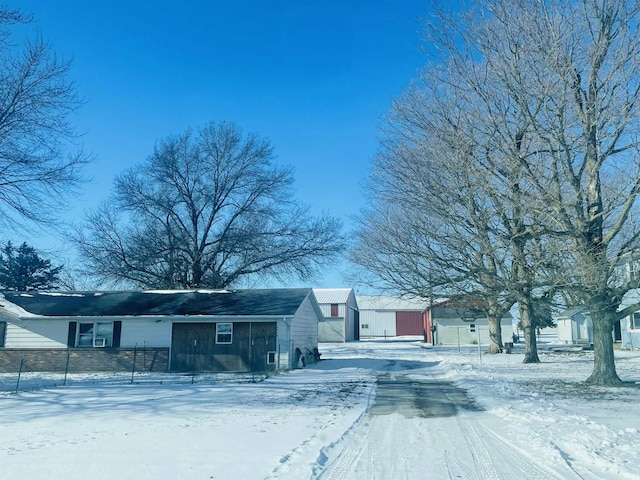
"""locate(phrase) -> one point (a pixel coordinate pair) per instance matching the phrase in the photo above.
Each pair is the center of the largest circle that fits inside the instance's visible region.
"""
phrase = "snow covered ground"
(323, 422)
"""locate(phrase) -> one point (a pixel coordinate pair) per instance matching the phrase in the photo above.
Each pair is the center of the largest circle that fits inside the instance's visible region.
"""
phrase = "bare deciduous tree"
(548, 94)
(36, 100)
(590, 130)
(206, 210)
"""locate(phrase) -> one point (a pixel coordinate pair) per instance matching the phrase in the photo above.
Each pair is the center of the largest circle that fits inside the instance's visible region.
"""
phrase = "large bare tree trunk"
(494, 317)
(529, 328)
(604, 367)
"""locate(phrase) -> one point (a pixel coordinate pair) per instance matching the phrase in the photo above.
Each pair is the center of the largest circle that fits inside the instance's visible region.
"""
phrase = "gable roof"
(387, 302)
(465, 314)
(332, 295)
(571, 311)
(258, 302)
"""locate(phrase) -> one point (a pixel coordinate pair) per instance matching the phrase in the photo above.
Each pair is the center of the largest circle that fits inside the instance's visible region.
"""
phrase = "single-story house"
(629, 327)
(177, 331)
(463, 322)
(574, 326)
(341, 315)
(391, 316)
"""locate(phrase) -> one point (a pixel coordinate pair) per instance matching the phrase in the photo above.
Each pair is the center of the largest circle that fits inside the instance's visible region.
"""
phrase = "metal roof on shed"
(332, 295)
(386, 302)
(255, 302)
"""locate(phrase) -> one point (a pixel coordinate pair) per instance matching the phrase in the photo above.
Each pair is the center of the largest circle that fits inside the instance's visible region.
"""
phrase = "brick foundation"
(83, 360)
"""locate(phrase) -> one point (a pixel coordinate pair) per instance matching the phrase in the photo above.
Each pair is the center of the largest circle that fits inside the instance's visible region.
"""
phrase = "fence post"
(20, 372)
(133, 368)
(66, 367)
(193, 376)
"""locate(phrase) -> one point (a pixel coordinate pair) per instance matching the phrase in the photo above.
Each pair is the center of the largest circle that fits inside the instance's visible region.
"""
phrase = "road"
(423, 427)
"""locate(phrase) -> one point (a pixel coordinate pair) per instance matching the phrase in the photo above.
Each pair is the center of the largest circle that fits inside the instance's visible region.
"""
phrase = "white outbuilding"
(341, 315)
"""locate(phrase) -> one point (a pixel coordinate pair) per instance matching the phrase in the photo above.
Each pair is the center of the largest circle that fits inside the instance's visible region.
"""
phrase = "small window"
(271, 358)
(85, 335)
(472, 328)
(98, 334)
(224, 332)
(364, 326)
(635, 321)
(334, 309)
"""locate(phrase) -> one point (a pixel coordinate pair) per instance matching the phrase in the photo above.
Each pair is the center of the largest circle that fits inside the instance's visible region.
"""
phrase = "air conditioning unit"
(100, 342)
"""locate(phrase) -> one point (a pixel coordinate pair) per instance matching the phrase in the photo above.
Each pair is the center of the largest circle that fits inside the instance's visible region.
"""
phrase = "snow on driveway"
(370, 410)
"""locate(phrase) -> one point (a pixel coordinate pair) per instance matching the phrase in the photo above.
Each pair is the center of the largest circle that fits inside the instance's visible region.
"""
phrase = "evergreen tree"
(23, 269)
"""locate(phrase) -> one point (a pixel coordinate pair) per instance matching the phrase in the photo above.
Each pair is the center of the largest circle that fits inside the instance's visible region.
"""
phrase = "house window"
(3, 331)
(472, 327)
(364, 326)
(635, 321)
(224, 332)
(334, 309)
(96, 334)
(271, 358)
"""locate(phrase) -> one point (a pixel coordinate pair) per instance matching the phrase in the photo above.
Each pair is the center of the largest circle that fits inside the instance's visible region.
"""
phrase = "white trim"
(219, 333)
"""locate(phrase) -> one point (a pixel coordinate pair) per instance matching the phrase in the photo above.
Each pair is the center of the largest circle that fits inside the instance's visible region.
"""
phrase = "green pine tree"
(23, 269)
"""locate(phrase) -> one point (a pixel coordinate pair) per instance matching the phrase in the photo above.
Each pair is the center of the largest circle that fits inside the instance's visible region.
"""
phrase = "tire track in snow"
(481, 457)
(354, 443)
(522, 464)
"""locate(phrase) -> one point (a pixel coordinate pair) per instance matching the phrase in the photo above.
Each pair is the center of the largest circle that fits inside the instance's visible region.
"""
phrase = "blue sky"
(315, 77)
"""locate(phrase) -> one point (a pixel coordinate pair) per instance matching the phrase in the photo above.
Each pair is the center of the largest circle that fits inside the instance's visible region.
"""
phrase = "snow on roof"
(571, 311)
(332, 295)
(13, 309)
(56, 294)
(388, 302)
(254, 302)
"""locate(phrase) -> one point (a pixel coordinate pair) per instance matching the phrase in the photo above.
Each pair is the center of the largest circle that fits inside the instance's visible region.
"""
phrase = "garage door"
(409, 323)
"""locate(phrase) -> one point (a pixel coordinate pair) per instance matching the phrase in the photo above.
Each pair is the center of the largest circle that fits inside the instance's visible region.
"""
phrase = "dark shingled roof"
(282, 301)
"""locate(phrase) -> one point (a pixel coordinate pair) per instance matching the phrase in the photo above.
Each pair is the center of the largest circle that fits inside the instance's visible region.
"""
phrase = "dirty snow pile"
(306, 423)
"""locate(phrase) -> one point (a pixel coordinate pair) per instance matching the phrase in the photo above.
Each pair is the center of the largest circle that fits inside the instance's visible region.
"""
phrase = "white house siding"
(37, 333)
(304, 331)
(331, 329)
(630, 336)
(325, 308)
(283, 333)
(453, 331)
(343, 326)
(377, 323)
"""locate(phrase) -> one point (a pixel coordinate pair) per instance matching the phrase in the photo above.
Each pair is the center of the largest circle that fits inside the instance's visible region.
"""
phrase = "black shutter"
(71, 339)
(117, 333)
(3, 331)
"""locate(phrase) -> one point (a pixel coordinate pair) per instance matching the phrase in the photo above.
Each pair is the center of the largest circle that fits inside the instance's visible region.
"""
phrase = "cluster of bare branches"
(510, 168)
(206, 209)
(36, 100)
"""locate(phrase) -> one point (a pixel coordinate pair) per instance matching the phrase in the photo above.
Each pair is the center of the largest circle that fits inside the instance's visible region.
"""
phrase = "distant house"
(463, 322)
(340, 314)
(391, 316)
(575, 326)
(178, 331)
(630, 326)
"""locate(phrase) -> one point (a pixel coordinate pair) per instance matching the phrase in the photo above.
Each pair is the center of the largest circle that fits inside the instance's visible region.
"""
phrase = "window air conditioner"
(100, 342)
